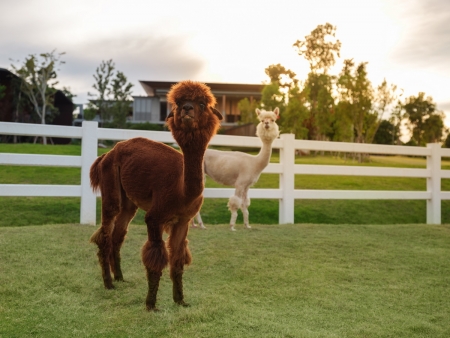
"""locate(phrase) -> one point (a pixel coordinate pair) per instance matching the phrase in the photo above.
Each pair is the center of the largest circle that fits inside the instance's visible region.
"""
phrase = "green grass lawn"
(297, 280)
(347, 268)
(19, 211)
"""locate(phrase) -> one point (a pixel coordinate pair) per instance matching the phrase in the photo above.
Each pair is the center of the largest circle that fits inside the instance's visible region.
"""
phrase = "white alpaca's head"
(267, 129)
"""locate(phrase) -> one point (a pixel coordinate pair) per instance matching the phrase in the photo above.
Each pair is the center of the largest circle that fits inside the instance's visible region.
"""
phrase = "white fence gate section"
(89, 134)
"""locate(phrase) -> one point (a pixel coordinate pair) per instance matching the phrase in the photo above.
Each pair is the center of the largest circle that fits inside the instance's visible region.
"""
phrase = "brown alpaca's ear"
(217, 113)
(170, 115)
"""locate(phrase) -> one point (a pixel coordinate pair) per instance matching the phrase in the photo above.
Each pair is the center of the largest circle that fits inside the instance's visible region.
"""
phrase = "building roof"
(160, 88)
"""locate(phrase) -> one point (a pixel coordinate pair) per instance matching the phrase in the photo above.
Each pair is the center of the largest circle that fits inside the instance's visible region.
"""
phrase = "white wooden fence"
(89, 133)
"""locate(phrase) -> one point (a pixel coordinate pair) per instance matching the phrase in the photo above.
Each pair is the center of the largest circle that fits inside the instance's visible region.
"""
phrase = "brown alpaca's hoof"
(182, 303)
(118, 278)
(108, 284)
(152, 308)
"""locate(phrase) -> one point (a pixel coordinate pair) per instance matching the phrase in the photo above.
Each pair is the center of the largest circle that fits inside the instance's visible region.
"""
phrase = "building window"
(163, 111)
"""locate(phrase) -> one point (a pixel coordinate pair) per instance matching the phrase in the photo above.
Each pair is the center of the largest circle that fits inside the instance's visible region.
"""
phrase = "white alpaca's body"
(241, 170)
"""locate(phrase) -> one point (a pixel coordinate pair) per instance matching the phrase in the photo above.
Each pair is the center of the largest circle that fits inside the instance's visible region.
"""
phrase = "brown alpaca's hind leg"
(179, 255)
(155, 259)
(102, 237)
(118, 236)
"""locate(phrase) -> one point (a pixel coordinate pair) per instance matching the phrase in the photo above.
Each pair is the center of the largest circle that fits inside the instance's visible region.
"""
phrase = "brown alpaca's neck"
(193, 144)
(193, 172)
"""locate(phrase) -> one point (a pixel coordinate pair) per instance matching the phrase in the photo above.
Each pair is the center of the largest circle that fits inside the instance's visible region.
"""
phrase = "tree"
(121, 94)
(355, 90)
(320, 103)
(447, 142)
(112, 101)
(272, 97)
(285, 78)
(386, 133)
(343, 130)
(247, 109)
(284, 92)
(68, 93)
(320, 48)
(36, 74)
(434, 128)
(384, 97)
(295, 115)
(396, 119)
(102, 76)
(424, 123)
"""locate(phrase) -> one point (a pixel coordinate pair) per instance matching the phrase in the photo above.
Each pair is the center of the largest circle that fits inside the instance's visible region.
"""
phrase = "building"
(10, 112)
(154, 108)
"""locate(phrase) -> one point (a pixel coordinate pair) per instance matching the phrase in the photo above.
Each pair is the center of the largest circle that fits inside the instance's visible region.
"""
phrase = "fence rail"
(90, 135)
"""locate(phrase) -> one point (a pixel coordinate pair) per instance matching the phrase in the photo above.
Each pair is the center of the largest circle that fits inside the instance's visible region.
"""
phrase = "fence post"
(434, 184)
(89, 146)
(287, 179)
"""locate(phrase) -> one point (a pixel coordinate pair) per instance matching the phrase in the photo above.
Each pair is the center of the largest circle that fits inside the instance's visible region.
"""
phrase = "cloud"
(427, 43)
(443, 106)
(139, 58)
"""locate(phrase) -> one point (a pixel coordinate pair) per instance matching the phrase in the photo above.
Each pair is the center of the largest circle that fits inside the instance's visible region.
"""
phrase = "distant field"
(19, 211)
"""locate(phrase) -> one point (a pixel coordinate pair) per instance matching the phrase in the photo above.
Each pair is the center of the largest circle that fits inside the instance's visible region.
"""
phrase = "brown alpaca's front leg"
(176, 275)
(179, 256)
(155, 259)
(153, 278)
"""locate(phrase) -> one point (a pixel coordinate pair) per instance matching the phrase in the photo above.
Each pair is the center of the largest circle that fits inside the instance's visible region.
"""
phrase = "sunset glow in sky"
(405, 41)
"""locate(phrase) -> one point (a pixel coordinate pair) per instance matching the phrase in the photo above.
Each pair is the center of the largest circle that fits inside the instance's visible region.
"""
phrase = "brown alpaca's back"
(143, 169)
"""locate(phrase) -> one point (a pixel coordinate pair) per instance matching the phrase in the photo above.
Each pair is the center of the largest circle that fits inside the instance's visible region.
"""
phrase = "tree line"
(36, 84)
(343, 107)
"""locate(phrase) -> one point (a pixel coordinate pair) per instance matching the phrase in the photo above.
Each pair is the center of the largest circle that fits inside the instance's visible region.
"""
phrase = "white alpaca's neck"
(263, 157)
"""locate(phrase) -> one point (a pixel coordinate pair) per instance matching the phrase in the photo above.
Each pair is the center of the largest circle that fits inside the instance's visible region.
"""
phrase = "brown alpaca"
(168, 185)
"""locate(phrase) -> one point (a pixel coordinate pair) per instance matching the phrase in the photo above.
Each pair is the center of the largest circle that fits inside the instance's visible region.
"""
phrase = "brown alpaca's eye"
(202, 106)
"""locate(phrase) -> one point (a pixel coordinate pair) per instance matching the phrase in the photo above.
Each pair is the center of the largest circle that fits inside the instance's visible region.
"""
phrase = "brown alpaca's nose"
(187, 107)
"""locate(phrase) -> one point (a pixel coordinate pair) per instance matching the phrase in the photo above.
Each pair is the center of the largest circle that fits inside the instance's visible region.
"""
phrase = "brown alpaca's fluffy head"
(192, 112)
(190, 91)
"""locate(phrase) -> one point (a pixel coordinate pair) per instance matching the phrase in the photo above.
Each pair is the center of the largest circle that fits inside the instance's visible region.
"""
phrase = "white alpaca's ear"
(258, 112)
(276, 111)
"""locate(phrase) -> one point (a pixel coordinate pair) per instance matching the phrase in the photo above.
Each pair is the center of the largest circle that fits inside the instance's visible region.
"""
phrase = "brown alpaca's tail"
(94, 174)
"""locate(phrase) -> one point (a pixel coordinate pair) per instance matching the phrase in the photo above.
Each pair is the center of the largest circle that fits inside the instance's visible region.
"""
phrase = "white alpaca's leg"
(234, 203)
(245, 205)
(199, 221)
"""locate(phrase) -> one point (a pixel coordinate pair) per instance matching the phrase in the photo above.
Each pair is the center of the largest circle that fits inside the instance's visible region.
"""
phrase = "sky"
(406, 42)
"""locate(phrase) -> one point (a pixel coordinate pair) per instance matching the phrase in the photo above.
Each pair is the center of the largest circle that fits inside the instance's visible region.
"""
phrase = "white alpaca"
(241, 170)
